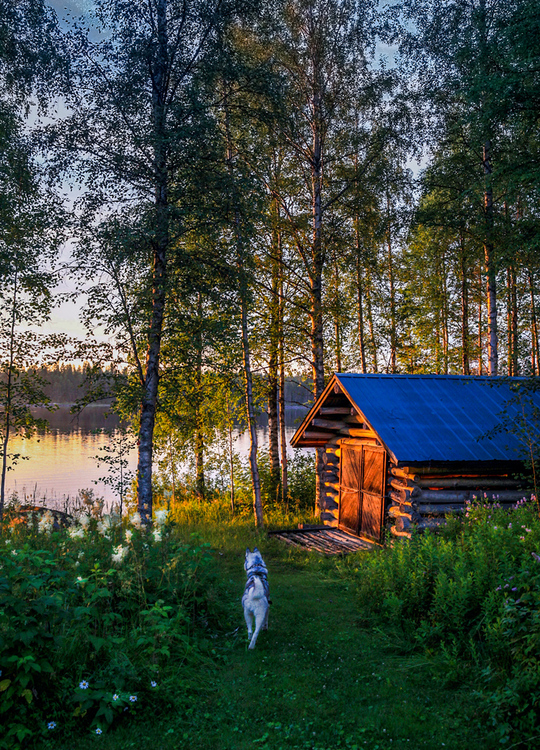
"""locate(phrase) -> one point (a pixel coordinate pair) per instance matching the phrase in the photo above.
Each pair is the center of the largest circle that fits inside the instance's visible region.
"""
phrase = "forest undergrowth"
(117, 638)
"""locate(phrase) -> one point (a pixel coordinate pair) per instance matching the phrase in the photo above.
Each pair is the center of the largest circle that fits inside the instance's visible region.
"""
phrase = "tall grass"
(470, 596)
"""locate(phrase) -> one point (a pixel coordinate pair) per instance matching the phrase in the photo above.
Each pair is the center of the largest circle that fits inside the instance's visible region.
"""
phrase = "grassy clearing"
(318, 679)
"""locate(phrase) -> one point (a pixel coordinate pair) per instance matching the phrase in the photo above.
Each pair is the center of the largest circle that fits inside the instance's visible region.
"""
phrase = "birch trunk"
(282, 433)
(159, 271)
(273, 363)
(8, 400)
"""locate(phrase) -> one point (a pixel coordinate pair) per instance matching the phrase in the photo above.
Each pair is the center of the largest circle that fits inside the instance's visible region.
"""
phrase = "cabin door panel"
(349, 510)
(372, 493)
(350, 483)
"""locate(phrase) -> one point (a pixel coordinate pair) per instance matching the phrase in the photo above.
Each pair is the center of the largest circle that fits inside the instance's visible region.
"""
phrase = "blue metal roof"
(424, 418)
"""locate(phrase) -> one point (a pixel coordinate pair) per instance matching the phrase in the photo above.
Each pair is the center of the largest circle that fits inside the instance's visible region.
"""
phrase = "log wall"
(416, 496)
(420, 497)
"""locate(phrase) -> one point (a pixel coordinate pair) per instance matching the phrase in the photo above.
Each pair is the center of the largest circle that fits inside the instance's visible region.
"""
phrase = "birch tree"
(137, 127)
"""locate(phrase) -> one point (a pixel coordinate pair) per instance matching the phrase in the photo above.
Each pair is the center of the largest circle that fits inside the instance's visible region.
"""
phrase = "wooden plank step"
(326, 540)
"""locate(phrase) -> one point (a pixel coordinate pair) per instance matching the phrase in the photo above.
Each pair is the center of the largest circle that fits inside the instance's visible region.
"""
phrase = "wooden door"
(350, 484)
(362, 486)
(372, 493)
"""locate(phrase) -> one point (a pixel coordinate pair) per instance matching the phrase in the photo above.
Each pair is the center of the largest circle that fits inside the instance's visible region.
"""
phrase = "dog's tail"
(261, 615)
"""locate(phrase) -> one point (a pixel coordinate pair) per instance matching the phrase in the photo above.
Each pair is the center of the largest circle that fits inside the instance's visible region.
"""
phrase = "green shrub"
(471, 595)
(96, 626)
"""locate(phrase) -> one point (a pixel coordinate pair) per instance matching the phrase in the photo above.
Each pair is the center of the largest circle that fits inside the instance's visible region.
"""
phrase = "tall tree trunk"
(231, 452)
(489, 259)
(282, 432)
(480, 325)
(465, 363)
(243, 289)
(317, 260)
(199, 433)
(273, 363)
(393, 336)
(8, 399)
(372, 340)
(514, 323)
(337, 321)
(444, 311)
(159, 270)
(509, 330)
(534, 326)
(360, 303)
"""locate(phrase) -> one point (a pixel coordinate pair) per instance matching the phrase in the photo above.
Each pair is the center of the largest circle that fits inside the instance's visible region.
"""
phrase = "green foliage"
(470, 597)
(92, 632)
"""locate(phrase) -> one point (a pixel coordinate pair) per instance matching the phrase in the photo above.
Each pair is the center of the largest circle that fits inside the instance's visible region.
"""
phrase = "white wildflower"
(129, 534)
(136, 520)
(160, 516)
(156, 533)
(76, 532)
(84, 520)
(119, 553)
(46, 523)
(106, 526)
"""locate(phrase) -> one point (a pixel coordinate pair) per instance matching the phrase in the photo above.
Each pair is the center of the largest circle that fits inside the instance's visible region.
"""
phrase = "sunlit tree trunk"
(273, 360)
(535, 362)
(246, 355)
(231, 454)
(372, 339)
(360, 302)
(514, 323)
(465, 342)
(511, 322)
(282, 432)
(489, 260)
(337, 321)
(199, 430)
(480, 328)
(317, 264)
(390, 256)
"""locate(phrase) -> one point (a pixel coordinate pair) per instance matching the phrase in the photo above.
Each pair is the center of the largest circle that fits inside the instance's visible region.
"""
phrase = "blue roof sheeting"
(422, 418)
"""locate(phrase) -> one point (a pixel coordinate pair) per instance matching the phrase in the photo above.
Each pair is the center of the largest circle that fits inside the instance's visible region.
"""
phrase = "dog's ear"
(247, 551)
(255, 549)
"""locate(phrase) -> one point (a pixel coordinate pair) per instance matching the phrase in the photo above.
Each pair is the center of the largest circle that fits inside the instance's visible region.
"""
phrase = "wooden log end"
(402, 534)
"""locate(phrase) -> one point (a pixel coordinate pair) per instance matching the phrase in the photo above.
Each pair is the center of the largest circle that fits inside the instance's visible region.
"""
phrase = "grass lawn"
(317, 679)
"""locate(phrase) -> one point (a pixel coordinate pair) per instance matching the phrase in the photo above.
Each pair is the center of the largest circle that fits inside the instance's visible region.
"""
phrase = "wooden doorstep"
(324, 539)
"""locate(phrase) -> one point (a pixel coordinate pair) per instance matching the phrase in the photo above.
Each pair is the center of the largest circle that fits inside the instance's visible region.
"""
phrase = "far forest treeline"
(265, 195)
(69, 384)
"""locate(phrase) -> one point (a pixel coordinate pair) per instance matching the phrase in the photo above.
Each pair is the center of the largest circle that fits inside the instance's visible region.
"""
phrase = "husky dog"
(255, 601)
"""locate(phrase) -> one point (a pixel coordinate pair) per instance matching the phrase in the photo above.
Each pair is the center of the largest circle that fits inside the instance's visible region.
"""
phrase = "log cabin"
(404, 451)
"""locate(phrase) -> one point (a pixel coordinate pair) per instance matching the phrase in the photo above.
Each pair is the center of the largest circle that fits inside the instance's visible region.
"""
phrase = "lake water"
(56, 465)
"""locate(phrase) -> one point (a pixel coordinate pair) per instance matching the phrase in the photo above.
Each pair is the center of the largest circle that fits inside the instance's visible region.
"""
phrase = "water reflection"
(57, 464)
